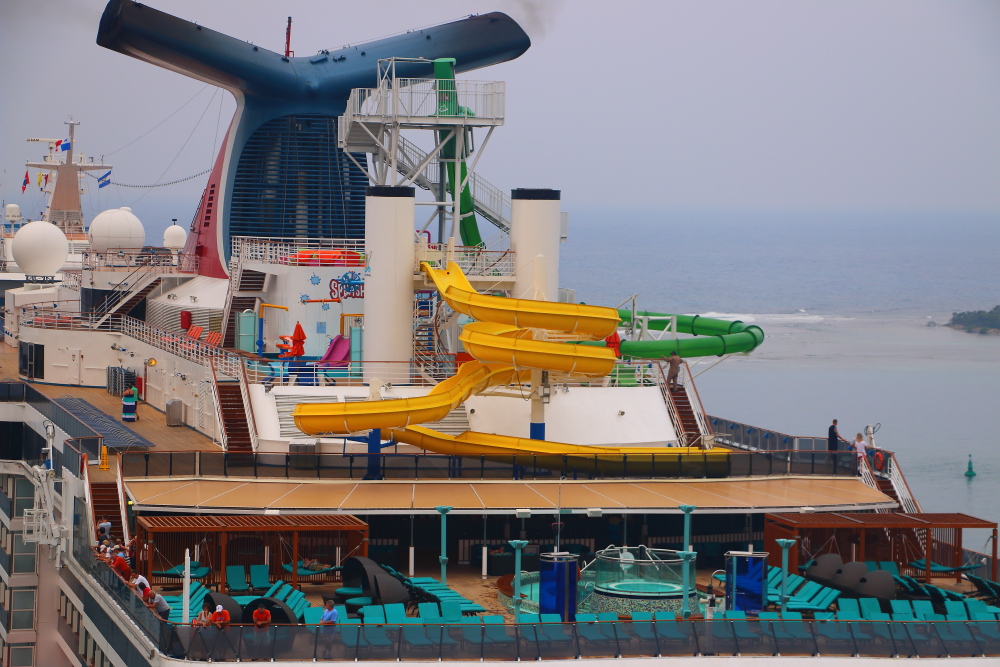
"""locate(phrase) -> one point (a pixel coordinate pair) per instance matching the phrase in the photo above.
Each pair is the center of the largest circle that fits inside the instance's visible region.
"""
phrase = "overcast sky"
(853, 106)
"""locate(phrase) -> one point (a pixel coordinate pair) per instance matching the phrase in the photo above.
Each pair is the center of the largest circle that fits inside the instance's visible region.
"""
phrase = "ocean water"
(845, 303)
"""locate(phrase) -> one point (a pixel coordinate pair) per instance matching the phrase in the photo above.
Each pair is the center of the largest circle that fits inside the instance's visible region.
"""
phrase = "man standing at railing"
(674, 366)
(833, 438)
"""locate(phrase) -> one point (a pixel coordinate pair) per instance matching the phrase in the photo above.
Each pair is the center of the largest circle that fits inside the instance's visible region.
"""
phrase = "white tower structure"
(389, 242)
(40, 249)
(535, 226)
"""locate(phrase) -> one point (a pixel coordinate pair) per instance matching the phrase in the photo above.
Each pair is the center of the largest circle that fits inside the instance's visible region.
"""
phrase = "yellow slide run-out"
(502, 339)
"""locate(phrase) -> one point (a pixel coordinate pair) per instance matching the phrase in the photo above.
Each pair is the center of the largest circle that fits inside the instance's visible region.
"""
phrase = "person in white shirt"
(860, 447)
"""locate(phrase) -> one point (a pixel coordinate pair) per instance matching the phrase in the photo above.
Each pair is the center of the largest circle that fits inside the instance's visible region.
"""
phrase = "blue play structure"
(746, 577)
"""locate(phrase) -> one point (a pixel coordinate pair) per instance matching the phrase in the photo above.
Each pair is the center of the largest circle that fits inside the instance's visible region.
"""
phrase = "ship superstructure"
(388, 407)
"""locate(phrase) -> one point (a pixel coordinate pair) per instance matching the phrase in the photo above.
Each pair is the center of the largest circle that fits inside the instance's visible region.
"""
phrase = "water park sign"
(348, 286)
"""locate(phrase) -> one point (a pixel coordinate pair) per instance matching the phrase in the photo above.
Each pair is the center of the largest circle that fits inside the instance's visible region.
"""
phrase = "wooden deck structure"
(897, 537)
(247, 539)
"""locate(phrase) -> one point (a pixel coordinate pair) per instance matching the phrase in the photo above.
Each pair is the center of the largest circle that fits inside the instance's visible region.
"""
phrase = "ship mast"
(65, 210)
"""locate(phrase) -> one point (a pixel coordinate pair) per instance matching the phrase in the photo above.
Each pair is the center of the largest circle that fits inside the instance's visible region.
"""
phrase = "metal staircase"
(127, 294)
(245, 288)
(490, 201)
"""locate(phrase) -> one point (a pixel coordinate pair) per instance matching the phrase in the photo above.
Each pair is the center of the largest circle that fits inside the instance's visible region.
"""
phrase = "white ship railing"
(419, 100)
(128, 259)
(294, 252)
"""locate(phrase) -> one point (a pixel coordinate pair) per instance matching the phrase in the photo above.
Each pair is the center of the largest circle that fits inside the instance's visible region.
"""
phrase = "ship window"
(23, 560)
(22, 656)
(22, 609)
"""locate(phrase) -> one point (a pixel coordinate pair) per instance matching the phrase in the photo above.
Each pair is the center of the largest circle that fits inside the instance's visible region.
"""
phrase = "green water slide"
(712, 336)
(444, 72)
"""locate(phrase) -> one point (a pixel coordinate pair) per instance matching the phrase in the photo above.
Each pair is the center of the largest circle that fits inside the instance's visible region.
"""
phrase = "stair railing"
(219, 420)
(123, 510)
(901, 487)
(694, 398)
(247, 405)
(661, 380)
(231, 289)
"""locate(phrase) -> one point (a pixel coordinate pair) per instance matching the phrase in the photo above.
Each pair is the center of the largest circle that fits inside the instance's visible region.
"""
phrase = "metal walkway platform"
(116, 435)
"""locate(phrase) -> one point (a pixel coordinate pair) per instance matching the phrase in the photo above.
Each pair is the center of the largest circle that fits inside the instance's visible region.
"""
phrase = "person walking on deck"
(861, 448)
(129, 400)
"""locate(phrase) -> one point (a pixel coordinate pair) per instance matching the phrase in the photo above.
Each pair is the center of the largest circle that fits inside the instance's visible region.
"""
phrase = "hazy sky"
(732, 106)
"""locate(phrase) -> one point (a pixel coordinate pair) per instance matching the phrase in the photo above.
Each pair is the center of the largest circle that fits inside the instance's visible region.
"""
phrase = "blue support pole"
(687, 509)
(374, 449)
(688, 557)
(518, 546)
(443, 558)
(785, 546)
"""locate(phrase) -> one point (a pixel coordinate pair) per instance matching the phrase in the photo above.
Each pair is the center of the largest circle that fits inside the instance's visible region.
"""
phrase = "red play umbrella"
(298, 337)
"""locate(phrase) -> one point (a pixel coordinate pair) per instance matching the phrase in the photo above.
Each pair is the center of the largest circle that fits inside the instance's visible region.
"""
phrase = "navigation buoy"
(970, 472)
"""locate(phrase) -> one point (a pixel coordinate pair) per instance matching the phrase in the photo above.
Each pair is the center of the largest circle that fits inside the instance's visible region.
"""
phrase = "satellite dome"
(116, 228)
(174, 237)
(40, 248)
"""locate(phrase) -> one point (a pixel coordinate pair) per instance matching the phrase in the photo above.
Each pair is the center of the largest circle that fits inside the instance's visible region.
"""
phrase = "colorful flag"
(104, 180)
(65, 144)
(58, 143)
(39, 179)
(24, 185)
(46, 180)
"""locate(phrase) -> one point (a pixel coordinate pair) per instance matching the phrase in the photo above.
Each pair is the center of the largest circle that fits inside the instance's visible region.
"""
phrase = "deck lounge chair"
(177, 571)
(302, 572)
(921, 565)
(236, 579)
(642, 625)
(260, 578)
(869, 606)
(494, 631)
(589, 630)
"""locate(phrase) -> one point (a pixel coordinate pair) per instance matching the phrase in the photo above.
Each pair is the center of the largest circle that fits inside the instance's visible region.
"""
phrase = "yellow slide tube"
(594, 322)
(472, 378)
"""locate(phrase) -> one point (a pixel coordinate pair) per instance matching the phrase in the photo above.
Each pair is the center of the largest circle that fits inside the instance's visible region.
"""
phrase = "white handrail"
(120, 486)
(661, 380)
(247, 406)
(220, 422)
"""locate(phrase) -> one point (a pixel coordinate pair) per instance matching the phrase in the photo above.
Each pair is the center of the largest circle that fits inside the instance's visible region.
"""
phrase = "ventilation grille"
(293, 181)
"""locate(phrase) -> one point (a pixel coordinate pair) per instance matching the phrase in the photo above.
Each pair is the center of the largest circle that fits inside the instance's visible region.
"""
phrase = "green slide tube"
(444, 72)
(712, 337)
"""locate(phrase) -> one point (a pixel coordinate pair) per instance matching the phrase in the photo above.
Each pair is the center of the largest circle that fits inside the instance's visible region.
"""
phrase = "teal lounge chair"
(312, 615)
(451, 611)
(667, 627)
(922, 609)
(494, 630)
(901, 607)
(979, 607)
(956, 610)
(429, 611)
(236, 579)
(935, 567)
(177, 572)
(553, 629)
(260, 578)
(869, 606)
(472, 631)
(642, 625)
(849, 606)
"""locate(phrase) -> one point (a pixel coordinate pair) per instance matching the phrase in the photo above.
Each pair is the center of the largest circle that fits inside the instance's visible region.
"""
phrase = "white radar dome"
(116, 228)
(12, 212)
(40, 248)
(174, 237)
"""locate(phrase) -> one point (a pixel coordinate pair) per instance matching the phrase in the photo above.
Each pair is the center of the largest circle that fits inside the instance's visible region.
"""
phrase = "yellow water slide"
(508, 336)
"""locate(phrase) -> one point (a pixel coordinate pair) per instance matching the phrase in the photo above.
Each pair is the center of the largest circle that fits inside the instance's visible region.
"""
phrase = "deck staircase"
(245, 288)
(886, 487)
(685, 414)
(234, 417)
(127, 295)
(490, 201)
(105, 500)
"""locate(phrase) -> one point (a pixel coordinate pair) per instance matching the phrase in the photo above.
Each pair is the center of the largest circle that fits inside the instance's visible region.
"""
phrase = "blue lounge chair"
(666, 625)
(312, 615)
(260, 578)
(177, 571)
(494, 631)
(978, 606)
(472, 631)
(849, 606)
(236, 579)
(553, 629)
(870, 606)
(589, 630)
(901, 607)
(921, 565)
(430, 612)
(923, 609)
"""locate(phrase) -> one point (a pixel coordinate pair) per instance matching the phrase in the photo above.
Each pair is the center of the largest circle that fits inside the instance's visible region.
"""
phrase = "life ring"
(879, 461)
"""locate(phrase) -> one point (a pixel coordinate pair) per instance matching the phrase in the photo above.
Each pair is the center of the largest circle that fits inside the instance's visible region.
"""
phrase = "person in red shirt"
(121, 567)
(220, 618)
(261, 633)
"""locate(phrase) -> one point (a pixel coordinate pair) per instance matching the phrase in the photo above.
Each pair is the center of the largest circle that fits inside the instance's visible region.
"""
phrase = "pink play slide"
(338, 354)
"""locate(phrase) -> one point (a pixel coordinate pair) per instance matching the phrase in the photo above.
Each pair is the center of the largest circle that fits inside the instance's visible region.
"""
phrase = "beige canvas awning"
(774, 494)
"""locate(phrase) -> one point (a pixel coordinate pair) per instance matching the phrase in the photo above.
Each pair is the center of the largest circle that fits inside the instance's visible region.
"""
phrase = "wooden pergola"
(897, 537)
(164, 538)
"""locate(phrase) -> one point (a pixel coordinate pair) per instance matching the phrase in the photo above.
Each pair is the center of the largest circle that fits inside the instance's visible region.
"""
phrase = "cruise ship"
(352, 414)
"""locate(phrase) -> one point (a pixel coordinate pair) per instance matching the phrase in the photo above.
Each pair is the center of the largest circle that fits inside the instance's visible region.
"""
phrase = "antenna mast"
(288, 39)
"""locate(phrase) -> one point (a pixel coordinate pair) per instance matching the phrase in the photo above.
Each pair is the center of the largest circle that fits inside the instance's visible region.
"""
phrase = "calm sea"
(845, 302)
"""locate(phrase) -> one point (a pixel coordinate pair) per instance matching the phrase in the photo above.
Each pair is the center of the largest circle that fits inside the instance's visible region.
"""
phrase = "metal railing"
(618, 639)
(712, 465)
(299, 251)
(661, 378)
(473, 261)
(128, 259)
(421, 99)
(168, 341)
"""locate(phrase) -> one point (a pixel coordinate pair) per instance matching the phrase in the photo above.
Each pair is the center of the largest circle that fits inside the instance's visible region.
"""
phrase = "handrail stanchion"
(518, 546)
(785, 546)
